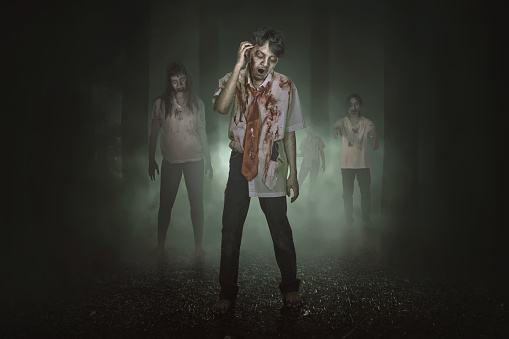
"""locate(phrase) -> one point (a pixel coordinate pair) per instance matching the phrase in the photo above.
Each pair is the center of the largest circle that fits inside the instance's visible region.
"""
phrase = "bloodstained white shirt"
(280, 112)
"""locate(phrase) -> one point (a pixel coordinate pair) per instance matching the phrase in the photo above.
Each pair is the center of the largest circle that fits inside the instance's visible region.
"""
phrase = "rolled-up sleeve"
(294, 118)
(201, 123)
(222, 84)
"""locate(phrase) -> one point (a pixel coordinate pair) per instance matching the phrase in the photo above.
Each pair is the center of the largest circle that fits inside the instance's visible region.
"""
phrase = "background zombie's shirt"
(280, 112)
(354, 153)
(179, 132)
(310, 148)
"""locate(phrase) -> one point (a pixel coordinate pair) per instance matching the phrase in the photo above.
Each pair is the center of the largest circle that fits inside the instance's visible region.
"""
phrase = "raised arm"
(225, 99)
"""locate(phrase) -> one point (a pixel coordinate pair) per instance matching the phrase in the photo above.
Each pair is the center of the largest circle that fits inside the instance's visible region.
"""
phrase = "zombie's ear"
(247, 54)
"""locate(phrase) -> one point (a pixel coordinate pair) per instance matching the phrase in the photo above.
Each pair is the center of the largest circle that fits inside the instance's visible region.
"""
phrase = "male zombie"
(354, 130)
(311, 149)
(265, 113)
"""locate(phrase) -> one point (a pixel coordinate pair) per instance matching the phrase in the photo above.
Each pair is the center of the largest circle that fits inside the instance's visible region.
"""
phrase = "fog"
(356, 65)
(315, 222)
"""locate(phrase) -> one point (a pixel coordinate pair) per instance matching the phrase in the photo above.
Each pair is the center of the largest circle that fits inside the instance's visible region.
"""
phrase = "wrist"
(238, 67)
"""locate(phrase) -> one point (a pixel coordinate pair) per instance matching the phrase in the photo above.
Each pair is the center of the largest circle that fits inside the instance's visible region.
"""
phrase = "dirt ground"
(346, 295)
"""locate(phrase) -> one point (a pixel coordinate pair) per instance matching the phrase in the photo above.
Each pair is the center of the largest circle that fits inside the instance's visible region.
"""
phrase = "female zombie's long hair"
(176, 68)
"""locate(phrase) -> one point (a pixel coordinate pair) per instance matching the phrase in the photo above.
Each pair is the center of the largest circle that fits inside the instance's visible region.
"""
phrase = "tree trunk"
(208, 66)
(320, 81)
(135, 96)
(400, 227)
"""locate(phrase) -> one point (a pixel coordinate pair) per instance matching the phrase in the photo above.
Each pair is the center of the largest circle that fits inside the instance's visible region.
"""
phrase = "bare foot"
(222, 306)
(293, 299)
(199, 252)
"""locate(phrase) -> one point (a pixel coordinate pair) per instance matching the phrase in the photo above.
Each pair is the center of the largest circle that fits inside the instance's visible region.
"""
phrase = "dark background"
(79, 80)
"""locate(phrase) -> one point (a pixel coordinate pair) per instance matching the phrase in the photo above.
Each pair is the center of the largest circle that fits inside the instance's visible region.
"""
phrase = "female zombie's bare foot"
(222, 306)
(293, 299)
(199, 252)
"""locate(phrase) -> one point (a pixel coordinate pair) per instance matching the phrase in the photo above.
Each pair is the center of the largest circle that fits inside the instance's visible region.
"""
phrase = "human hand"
(208, 171)
(336, 133)
(152, 168)
(292, 184)
(242, 52)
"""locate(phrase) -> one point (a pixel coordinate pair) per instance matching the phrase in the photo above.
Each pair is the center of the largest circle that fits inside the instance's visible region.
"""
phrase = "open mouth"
(261, 71)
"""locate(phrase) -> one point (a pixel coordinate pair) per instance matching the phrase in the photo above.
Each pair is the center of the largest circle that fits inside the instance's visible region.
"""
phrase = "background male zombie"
(311, 149)
(354, 130)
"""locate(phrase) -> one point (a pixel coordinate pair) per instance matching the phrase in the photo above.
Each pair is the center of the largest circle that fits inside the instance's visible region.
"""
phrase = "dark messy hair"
(275, 37)
(351, 96)
(175, 68)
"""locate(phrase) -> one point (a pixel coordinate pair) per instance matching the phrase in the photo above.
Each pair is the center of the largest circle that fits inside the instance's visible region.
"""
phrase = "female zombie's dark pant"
(170, 181)
(236, 205)
(364, 181)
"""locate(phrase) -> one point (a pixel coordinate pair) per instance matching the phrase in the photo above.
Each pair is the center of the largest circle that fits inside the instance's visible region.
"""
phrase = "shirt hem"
(266, 195)
(296, 127)
(182, 161)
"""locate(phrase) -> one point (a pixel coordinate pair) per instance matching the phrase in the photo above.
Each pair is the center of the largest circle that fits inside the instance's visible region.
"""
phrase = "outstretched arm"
(373, 135)
(322, 154)
(291, 151)
(337, 130)
(225, 99)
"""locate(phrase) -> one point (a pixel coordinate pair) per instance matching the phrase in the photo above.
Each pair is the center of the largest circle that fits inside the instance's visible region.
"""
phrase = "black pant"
(236, 206)
(364, 181)
(170, 181)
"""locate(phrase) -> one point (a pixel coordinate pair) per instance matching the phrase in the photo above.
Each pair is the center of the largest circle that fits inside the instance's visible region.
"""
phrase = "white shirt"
(280, 112)
(310, 148)
(354, 151)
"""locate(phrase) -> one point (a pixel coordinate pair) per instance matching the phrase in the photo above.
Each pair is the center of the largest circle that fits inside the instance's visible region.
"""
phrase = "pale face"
(354, 108)
(262, 62)
(178, 82)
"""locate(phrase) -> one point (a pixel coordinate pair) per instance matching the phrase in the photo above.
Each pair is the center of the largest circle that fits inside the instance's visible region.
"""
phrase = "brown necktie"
(250, 160)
